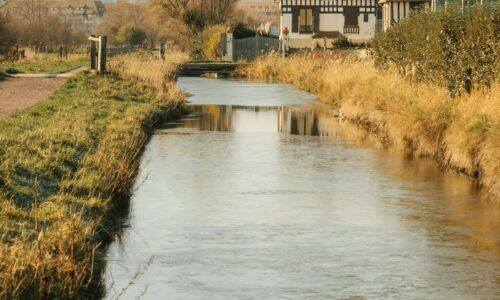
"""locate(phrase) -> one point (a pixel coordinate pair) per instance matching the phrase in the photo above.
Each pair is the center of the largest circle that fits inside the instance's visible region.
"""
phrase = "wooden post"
(93, 53)
(102, 55)
(162, 51)
(257, 45)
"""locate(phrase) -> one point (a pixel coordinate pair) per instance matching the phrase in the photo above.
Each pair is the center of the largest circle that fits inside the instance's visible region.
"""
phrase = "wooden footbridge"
(220, 69)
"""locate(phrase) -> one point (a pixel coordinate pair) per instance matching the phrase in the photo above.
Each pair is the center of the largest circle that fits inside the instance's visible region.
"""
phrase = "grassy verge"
(66, 168)
(50, 65)
(462, 133)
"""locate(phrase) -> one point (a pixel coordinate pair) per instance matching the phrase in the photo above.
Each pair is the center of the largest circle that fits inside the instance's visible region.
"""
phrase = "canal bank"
(261, 193)
(461, 133)
(66, 168)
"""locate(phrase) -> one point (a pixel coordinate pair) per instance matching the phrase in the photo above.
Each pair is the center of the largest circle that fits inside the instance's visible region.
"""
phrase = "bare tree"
(198, 14)
(175, 8)
(31, 10)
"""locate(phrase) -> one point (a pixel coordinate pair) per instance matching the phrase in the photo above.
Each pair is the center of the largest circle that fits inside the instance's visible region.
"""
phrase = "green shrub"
(206, 45)
(448, 48)
(7, 38)
(131, 35)
(341, 42)
(241, 31)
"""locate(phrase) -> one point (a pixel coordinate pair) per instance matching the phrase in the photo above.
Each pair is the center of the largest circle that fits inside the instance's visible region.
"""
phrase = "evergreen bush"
(453, 48)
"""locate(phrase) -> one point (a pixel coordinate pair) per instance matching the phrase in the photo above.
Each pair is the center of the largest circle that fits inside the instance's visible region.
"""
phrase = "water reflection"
(286, 202)
(310, 120)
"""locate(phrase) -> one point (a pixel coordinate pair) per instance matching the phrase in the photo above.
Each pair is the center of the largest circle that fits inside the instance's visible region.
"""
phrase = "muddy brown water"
(262, 194)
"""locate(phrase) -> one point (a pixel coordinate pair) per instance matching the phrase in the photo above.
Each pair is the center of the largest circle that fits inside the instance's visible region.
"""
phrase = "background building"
(260, 10)
(311, 21)
(84, 14)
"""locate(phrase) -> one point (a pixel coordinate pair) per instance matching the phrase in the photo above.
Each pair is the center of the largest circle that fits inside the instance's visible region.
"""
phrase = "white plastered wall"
(330, 22)
(366, 29)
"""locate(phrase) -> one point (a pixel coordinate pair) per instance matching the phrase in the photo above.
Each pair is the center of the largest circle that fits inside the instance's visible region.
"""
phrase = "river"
(261, 193)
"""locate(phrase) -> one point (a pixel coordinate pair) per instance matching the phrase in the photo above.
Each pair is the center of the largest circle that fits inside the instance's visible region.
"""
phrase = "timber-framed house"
(309, 20)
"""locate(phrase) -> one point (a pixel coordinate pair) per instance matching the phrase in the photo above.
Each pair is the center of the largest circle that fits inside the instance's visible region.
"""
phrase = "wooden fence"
(251, 48)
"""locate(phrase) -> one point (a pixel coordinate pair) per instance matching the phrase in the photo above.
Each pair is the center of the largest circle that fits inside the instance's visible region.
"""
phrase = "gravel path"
(19, 93)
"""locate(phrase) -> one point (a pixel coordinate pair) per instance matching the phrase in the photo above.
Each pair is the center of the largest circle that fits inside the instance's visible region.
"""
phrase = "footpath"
(20, 91)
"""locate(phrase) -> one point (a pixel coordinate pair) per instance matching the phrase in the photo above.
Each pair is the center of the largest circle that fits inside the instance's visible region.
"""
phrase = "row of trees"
(47, 33)
(189, 24)
(6, 38)
(29, 24)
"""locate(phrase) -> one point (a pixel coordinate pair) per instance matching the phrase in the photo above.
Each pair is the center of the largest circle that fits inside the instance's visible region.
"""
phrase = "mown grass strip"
(45, 67)
(66, 168)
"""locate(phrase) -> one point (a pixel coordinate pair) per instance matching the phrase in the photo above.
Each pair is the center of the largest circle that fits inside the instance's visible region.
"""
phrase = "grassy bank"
(44, 64)
(66, 168)
(462, 133)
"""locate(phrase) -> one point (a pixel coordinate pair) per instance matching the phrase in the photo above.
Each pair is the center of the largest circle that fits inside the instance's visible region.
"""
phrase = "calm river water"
(262, 194)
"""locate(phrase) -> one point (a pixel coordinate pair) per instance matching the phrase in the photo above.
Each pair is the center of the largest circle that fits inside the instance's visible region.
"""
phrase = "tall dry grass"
(462, 133)
(66, 169)
(147, 68)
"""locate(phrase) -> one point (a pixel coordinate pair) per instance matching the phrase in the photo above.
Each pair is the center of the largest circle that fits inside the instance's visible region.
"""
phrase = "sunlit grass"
(66, 167)
(45, 63)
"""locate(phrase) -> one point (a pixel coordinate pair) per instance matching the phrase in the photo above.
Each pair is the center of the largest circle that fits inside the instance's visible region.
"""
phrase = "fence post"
(162, 51)
(230, 46)
(257, 45)
(102, 55)
(93, 54)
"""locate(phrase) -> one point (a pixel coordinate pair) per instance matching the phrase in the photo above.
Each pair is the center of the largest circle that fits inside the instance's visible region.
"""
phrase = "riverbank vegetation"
(445, 48)
(433, 88)
(461, 132)
(66, 169)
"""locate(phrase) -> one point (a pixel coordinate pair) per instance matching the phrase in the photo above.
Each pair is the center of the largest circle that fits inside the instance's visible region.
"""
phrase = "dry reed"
(462, 133)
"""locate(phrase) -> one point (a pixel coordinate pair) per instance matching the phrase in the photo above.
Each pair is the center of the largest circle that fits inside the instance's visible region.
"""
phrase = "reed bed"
(462, 133)
(66, 169)
(147, 68)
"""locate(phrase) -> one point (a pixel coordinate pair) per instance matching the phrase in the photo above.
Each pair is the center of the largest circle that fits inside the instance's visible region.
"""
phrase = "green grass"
(66, 169)
(50, 67)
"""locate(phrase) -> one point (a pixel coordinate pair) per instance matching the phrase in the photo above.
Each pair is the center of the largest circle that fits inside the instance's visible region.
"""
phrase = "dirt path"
(19, 93)
(25, 90)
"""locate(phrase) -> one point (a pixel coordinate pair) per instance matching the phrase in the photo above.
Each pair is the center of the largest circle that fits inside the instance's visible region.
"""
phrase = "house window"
(306, 20)
(365, 17)
(351, 14)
